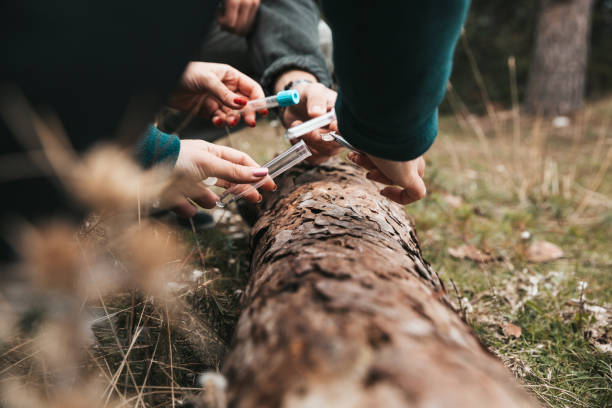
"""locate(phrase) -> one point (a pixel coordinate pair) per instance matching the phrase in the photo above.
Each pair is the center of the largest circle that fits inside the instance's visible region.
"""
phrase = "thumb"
(212, 84)
(415, 189)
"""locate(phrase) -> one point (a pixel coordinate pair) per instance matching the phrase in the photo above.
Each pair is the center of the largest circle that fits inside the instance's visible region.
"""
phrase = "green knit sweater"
(157, 147)
(392, 62)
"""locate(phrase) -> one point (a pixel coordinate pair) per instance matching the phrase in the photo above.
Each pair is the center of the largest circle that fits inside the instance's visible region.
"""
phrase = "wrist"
(291, 76)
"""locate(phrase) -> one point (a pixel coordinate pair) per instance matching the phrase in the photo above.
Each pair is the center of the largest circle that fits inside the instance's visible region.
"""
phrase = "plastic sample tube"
(310, 125)
(276, 166)
(281, 99)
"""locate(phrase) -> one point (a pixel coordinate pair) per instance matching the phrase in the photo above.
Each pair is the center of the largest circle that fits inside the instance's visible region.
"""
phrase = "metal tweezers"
(341, 141)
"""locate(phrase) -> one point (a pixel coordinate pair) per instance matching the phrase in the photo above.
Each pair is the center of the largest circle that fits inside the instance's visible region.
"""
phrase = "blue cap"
(288, 98)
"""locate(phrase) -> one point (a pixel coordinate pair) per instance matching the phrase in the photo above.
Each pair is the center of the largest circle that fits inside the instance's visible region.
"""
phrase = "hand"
(315, 100)
(238, 16)
(405, 179)
(199, 160)
(216, 90)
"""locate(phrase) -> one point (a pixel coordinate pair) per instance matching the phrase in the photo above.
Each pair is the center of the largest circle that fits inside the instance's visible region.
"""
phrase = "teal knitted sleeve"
(392, 60)
(158, 147)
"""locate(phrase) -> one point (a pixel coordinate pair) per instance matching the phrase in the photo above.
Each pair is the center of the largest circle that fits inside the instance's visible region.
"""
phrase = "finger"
(315, 139)
(246, 87)
(362, 160)
(224, 184)
(213, 108)
(421, 166)
(250, 118)
(205, 198)
(209, 82)
(317, 157)
(254, 91)
(233, 155)
(241, 158)
(333, 127)
(242, 22)
(252, 15)
(315, 142)
(288, 117)
(252, 195)
(246, 191)
(295, 123)
(208, 107)
(406, 195)
(232, 119)
(269, 184)
(316, 101)
(224, 116)
(228, 19)
(220, 168)
(376, 175)
(219, 118)
(228, 116)
(184, 208)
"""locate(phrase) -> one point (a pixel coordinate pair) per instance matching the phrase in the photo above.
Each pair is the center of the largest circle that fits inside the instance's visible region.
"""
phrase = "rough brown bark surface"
(557, 75)
(342, 311)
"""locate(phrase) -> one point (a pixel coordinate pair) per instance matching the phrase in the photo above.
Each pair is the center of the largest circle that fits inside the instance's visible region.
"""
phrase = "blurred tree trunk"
(341, 310)
(557, 73)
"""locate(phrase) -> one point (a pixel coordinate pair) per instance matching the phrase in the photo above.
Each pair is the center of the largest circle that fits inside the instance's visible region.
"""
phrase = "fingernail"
(260, 199)
(264, 112)
(351, 156)
(252, 124)
(241, 101)
(235, 122)
(217, 121)
(260, 172)
(275, 188)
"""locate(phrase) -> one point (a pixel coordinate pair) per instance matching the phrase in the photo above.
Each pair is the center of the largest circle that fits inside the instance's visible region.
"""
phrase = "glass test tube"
(283, 98)
(276, 166)
(310, 125)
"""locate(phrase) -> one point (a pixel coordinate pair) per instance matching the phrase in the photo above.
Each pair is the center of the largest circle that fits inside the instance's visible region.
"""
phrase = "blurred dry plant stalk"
(100, 314)
(522, 155)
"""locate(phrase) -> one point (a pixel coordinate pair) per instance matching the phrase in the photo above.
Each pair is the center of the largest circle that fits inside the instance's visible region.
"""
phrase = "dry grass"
(114, 312)
(124, 311)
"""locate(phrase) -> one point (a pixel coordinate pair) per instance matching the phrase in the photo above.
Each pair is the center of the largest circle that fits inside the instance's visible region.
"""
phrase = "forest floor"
(518, 224)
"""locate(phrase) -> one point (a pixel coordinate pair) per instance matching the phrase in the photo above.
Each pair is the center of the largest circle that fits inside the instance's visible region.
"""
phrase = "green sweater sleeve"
(157, 147)
(393, 60)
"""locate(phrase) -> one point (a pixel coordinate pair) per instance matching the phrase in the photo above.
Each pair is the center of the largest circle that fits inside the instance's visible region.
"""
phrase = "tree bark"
(557, 75)
(342, 311)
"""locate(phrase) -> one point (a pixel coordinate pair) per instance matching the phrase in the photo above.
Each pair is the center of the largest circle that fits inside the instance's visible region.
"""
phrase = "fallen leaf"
(604, 348)
(511, 330)
(543, 251)
(470, 252)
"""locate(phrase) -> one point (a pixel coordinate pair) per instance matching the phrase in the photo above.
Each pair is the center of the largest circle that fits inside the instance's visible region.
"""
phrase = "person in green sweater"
(394, 121)
(88, 62)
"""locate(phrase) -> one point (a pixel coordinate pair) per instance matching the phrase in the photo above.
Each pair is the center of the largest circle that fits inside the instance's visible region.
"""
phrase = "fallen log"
(342, 310)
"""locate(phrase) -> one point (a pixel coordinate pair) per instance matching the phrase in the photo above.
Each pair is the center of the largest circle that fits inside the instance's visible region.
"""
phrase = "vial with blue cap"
(281, 99)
